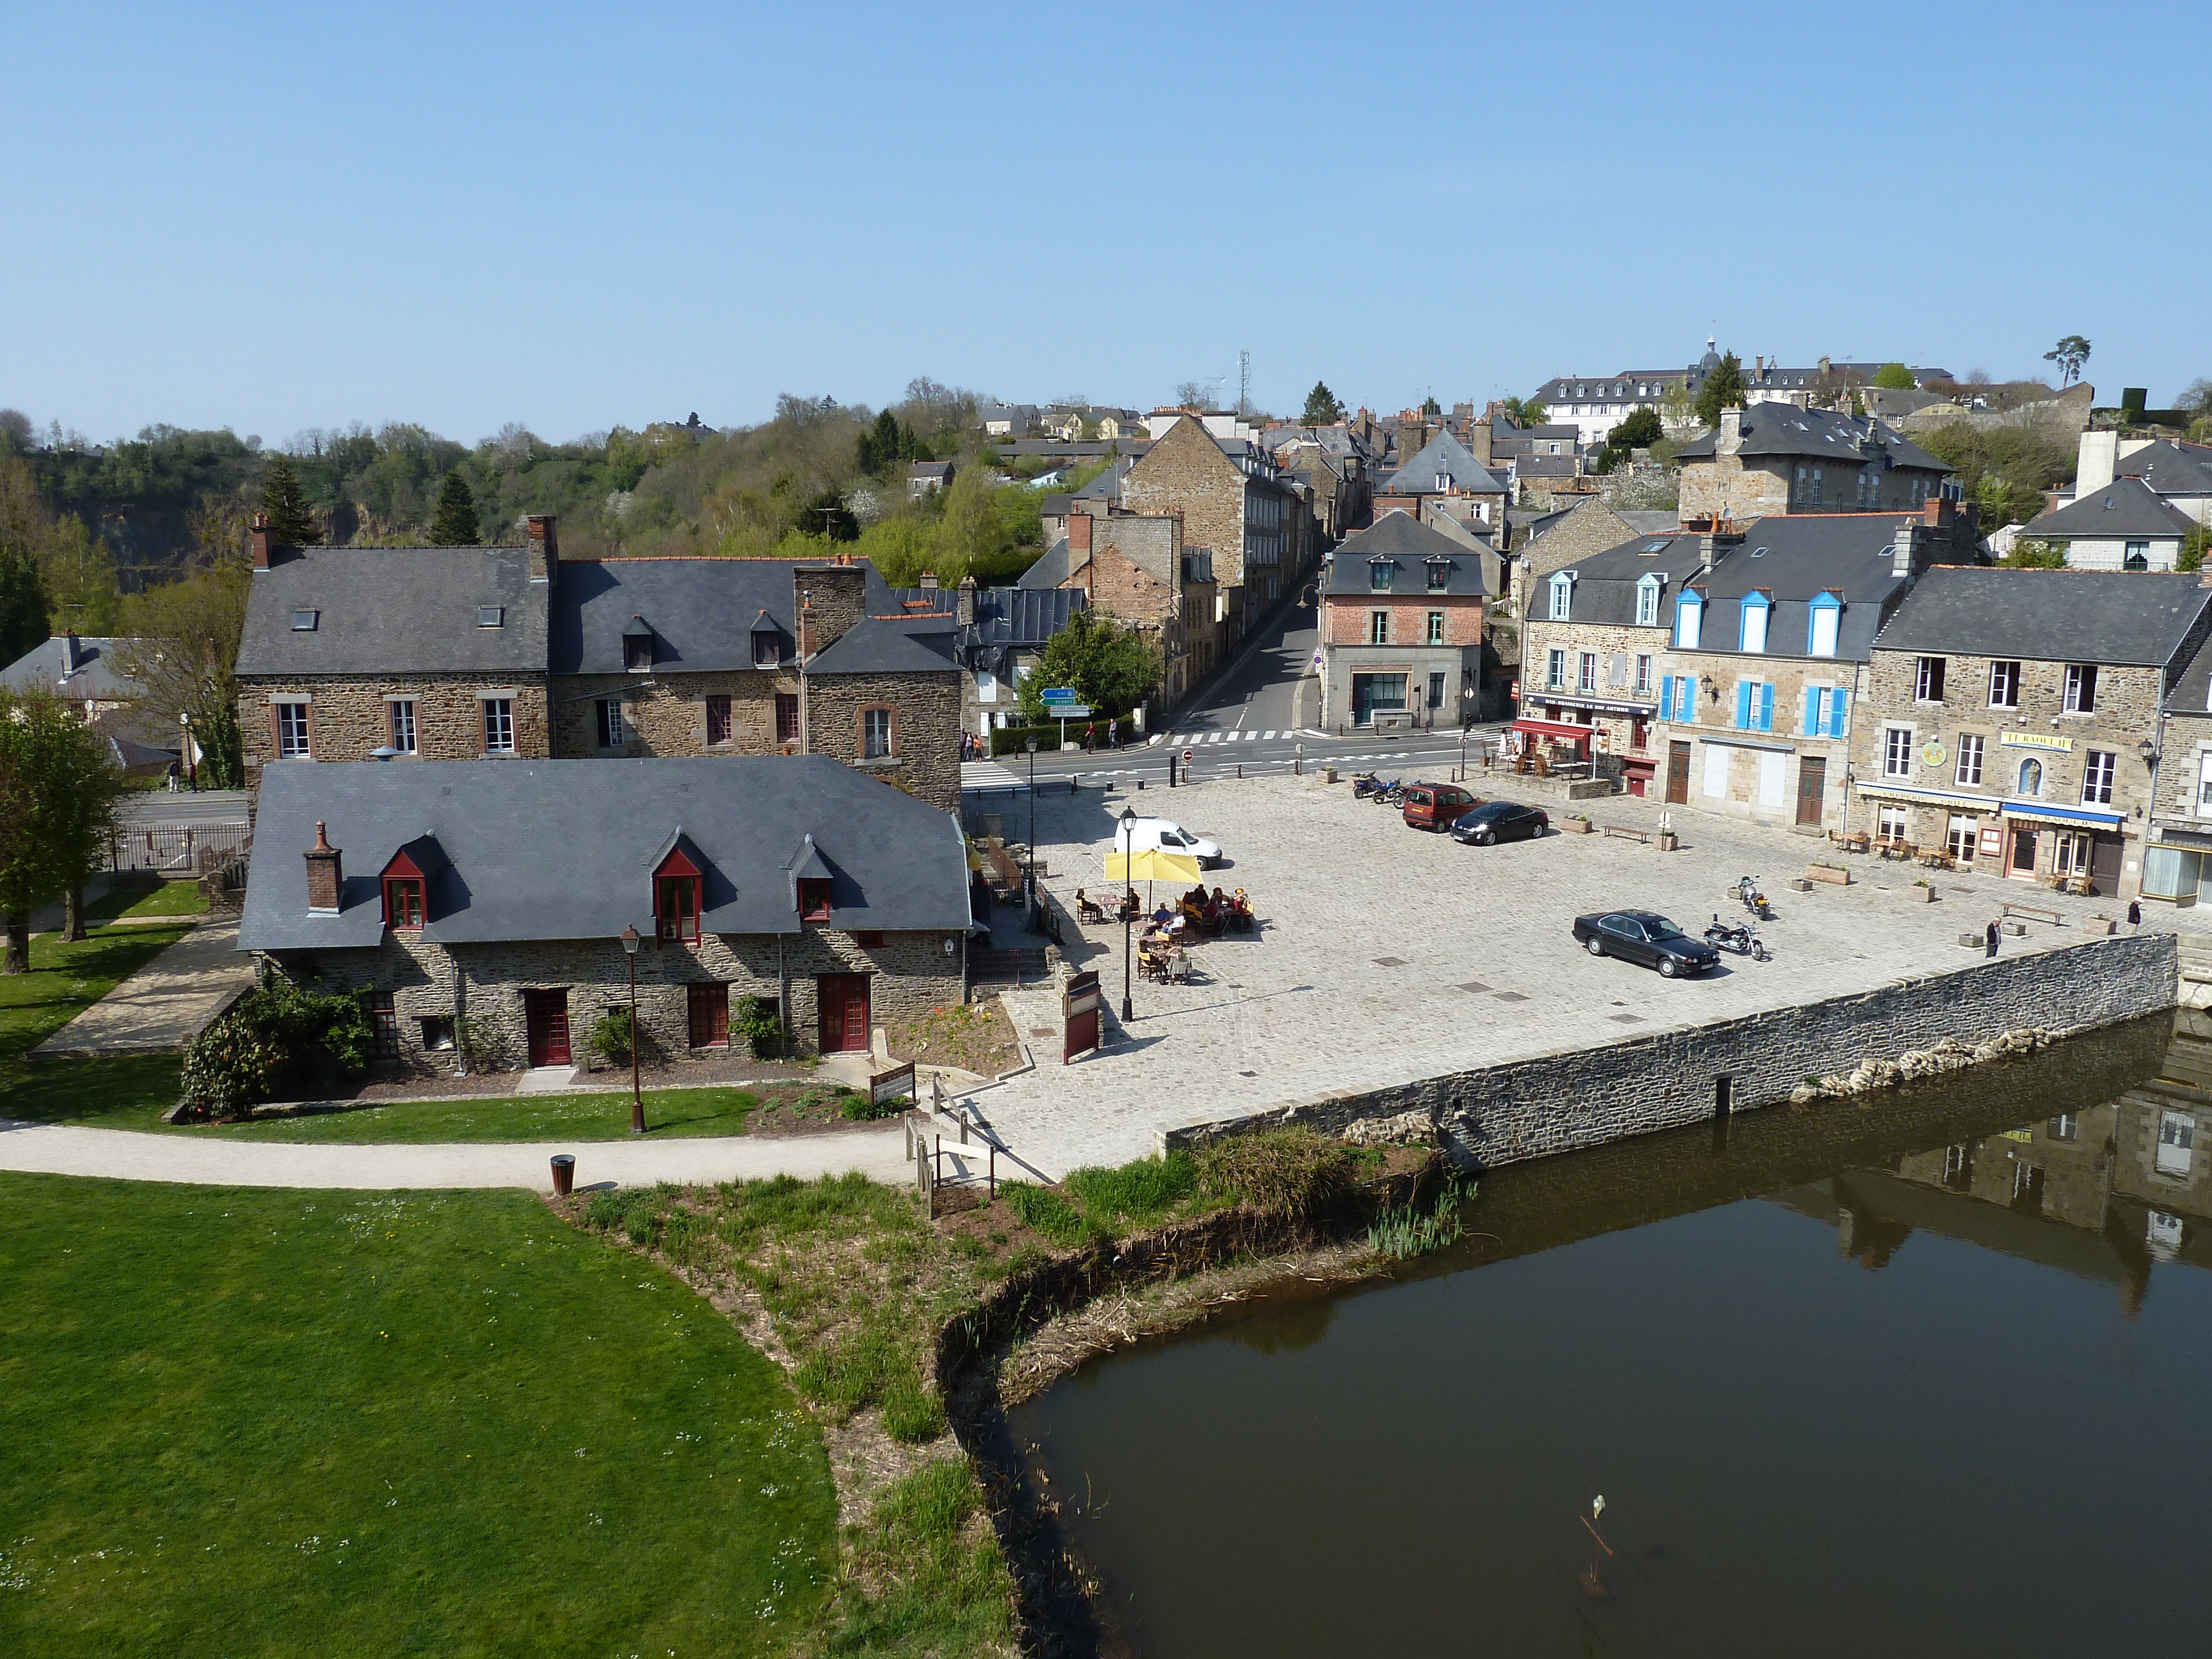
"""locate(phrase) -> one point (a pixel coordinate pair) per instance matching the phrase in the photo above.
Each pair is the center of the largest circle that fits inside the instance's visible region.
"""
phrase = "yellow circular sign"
(1932, 753)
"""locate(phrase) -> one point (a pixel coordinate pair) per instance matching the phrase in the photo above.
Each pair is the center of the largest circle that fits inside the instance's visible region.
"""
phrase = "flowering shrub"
(273, 1038)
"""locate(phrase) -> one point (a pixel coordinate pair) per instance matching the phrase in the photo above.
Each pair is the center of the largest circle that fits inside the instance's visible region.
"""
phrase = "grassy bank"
(171, 898)
(240, 1422)
(124, 1093)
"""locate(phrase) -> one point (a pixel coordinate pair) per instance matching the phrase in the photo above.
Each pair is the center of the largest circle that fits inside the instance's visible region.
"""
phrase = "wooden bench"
(1625, 832)
(2035, 911)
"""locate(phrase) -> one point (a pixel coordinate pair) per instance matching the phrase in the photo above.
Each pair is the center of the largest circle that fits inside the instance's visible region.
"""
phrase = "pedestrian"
(1114, 734)
(2134, 914)
(1991, 937)
(1090, 737)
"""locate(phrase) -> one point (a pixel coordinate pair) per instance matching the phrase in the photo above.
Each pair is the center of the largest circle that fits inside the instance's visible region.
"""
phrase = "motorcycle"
(1747, 888)
(1393, 794)
(1744, 941)
(1365, 785)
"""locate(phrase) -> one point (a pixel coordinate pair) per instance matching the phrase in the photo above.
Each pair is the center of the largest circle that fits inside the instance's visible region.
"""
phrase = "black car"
(1646, 937)
(1499, 820)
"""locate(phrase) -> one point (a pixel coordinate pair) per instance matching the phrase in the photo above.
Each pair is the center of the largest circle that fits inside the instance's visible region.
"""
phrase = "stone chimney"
(1731, 435)
(545, 548)
(927, 581)
(261, 541)
(1909, 552)
(827, 598)
(325, 874)
(1478, 439)
(69, 654)
(966, 603)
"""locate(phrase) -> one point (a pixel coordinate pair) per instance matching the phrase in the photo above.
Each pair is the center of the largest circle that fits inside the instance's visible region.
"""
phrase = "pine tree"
(1322, 407)
(22, 599)
(1723, 389)
(454, 522)
(292, 522)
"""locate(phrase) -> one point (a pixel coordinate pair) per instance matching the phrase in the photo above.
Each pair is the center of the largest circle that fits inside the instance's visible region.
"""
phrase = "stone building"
(483, 910)
(1401, 629)
(1773, 459)
(2178, 472)
(1235, 506)
(1135, 567)
(473, 653)
(2126, 525)
(999, 633)
(2178, 861)
(1443, 472)
(2009, 717)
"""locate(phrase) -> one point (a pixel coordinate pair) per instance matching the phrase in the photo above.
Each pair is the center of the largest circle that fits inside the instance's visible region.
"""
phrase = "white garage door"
(1770, 779)
(1716, 778)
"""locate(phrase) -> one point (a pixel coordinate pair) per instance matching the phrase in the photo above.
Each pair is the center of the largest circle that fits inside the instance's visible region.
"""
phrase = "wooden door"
(2105, 864)
(545, 1018)
(844, 1003)
(710, 1015)
(1677, 774)
(1812, 788)
(2022, 862)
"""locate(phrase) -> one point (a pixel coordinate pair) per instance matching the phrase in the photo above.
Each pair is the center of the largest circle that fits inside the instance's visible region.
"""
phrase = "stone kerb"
(1571, 1098)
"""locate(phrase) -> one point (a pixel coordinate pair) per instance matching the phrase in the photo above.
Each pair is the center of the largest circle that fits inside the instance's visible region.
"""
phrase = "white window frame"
(2099, 768)
(1555, 669)
(1752, 621)
(1973, 747)
(1586, 672)
(498, 719)
(400, 726)
(1927, 677)
(1644, 675)
(612, 733)
(1435, 627)
(2080, 688)
(1895, 752)
(1647, 601)
(1378, 628)
(1689, 622)
(2010, 681)
(293, 740)
(1563, 595)
(2204, 786)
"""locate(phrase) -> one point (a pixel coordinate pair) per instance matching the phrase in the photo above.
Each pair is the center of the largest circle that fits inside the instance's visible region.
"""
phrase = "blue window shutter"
(1836, 713)
(1766, 707)
(1666, 696)
(1812, 722)
(1743, 706)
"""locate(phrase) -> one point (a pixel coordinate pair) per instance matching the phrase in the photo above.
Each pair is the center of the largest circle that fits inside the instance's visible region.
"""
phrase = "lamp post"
(1032, 859)
(636, 1094)
(1128, 835)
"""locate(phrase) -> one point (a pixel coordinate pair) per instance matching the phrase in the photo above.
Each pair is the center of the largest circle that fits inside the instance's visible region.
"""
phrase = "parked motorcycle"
(1747, 888)
(1393, 794)
(1365, 785)
(1744, 941)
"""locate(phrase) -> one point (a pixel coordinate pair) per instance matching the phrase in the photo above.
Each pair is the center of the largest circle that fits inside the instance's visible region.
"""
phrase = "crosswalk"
(1191, 740)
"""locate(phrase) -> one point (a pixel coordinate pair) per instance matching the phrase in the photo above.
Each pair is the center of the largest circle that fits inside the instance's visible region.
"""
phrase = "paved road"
(207, 806)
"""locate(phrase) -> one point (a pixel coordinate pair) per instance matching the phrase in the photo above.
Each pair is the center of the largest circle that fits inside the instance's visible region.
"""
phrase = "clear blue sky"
(576, 216)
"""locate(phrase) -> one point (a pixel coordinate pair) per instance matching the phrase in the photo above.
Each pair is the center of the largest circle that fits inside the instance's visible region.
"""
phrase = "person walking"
(1114, 734)
(2134, 914)
(1991, 938)
(1090, 737)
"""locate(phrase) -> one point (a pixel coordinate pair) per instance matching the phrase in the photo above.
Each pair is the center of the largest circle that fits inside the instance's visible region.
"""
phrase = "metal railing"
(191, 849)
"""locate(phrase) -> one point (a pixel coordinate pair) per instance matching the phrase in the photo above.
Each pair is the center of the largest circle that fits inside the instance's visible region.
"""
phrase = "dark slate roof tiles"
(2048, 616)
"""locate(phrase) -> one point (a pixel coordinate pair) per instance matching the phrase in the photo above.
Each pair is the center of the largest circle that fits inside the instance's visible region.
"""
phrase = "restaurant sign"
(2036, 740)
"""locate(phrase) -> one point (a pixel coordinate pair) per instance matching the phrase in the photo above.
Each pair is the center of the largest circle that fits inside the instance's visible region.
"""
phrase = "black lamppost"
(1128, 836)
(1032, 871)
(636, 1094)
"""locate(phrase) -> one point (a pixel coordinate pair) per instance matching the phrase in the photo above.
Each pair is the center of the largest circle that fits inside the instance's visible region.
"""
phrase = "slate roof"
(882, 645)
(1793, 559)
(1409, 545)
(1050, 569)
(1548, 466)
(702, 612)
(2135, 618)
(1007, 620)
(564, 849)
(95, 679)
(1605, 583)
(2192, 691)
(1813, 434)
(1444, 453)
(1660, 521)
(2171, 468)
(2123, 508)
(395, 610)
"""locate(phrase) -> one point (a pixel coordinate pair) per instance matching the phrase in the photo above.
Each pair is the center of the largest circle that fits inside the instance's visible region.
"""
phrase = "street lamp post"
(1128, 837)
(1032, 860)
(636, 1094)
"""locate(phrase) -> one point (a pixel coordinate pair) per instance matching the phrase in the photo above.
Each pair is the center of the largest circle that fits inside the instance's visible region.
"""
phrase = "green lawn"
(245, 1423)
(171, 898)
(65, 979)
(671, 1114)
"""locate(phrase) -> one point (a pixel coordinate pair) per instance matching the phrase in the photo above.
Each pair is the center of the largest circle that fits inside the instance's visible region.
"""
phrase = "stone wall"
(1583, 1097)
(924, 757)
(484, 984)
(1730, 487)
(350, 716)
(1185, 472)
(665, 713)
(1750, 787)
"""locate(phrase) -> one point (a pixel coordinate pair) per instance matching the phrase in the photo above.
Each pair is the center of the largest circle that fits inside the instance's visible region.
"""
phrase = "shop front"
(2178, 867)
(1618, 734)
(2070, 846)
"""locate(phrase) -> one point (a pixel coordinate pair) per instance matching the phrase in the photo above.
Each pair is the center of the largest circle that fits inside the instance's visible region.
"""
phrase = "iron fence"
(178, 849)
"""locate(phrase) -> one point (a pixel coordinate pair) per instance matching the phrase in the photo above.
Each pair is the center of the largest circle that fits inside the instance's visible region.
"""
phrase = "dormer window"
(491, 616)
(637, 646)
(768, 650)
(1378, 575)
(1826, 616)
(1563, 595)
(303, 622)
(676, 905)
(814, 901)
(1751, 633)
(403, 902)
(1443, 484)
(1647, 601)
(1689, 620)
(1440, 574)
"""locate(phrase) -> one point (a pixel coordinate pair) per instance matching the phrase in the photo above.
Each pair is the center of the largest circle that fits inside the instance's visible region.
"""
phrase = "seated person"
(1162, 916)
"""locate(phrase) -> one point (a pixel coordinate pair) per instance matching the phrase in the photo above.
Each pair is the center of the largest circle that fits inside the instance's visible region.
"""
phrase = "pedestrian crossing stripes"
(1192, 739)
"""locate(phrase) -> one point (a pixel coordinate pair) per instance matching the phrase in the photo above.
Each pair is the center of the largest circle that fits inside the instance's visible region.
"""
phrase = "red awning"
(1554, 729)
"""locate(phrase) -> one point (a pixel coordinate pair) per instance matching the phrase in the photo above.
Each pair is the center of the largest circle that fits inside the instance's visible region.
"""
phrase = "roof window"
(303, 622)
(491, 616)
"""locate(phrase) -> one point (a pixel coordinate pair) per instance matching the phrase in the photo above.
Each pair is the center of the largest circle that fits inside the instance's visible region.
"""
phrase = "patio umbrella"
(1149, 865)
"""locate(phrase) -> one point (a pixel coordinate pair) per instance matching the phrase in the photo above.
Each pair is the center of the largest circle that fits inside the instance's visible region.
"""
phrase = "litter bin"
(564, 1175)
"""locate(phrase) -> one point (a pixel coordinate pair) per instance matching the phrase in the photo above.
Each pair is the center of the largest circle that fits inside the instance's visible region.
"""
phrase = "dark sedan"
(1497, 821)
(1646, 937)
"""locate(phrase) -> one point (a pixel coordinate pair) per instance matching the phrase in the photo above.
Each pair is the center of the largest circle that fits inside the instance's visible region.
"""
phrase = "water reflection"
(1808, 1436)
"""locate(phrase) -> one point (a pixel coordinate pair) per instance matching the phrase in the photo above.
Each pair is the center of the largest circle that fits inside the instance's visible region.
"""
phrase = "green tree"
(23, 525)
(291, 522)
(1676, 407)
(1525, 412)
(1322, 407)
(455, 524)
(58, 789)
(2035, 553)
(2070, 354)
(1723, 389)
(1895, 377)
(79, 573)
(183, 652)
(2193, 547)
(1112, 667)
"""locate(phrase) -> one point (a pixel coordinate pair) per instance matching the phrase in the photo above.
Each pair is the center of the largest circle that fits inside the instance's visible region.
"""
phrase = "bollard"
(1240, 769)
(564, 1175)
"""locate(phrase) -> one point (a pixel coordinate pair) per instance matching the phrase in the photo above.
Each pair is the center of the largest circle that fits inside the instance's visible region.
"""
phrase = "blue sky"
(569, 216)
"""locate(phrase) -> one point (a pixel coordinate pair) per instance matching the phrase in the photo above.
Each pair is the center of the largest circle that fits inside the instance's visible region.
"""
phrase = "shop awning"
(2079, 816)
(1554, 729)
(1598, 705)
(1981, 804)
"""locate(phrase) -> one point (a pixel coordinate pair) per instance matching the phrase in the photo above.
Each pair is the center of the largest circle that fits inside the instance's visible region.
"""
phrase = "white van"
(1144, 834)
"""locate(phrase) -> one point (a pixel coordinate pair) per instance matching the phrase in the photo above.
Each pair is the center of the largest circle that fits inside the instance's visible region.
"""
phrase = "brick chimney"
(1935, 512)
(1078, 537)
(261, 541)
(827, 598)
(967, 600)
(325, 874)
(545, 548)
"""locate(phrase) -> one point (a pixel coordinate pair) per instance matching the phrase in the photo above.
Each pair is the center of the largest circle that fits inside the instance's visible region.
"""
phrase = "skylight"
(303, 622)
(491, 616)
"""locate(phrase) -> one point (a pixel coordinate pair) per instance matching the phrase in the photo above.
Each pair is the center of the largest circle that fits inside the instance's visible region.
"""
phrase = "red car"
(1436, 805)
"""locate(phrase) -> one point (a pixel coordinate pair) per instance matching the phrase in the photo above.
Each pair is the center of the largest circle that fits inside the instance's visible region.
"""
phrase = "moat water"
(1928, 1376)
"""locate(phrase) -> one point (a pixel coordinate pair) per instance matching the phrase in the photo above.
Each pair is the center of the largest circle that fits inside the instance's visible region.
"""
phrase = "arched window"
(2031, 777)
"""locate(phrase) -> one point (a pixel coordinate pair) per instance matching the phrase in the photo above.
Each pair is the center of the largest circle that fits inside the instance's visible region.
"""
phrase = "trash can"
(564, 1175)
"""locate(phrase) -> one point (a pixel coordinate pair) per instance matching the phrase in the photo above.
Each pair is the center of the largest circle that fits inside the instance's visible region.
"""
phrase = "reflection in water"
(1967, 1404)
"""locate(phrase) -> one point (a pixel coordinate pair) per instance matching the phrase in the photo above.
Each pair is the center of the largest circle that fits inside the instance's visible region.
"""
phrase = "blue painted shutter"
(1666, 697)
(1743, 706)
(1812, 721)
(1766, 707)
(1836, 713)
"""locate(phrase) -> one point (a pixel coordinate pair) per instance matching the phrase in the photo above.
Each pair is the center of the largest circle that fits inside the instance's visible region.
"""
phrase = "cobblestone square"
(1386, 955)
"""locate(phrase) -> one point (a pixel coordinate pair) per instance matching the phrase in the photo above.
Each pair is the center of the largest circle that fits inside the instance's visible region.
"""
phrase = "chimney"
(806, 645)
(261, 541)
(325, 874)
(967, 600)
(1078, 537)
(69, 655)
(1478, 439)
(928, 582)
(1731, 437)
(1935, 512)
(1907, 552)
(828, 599)
(545, 548)
(2098, 460)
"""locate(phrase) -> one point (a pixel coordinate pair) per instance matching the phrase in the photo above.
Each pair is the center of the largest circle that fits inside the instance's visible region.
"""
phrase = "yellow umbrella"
(1149, 865)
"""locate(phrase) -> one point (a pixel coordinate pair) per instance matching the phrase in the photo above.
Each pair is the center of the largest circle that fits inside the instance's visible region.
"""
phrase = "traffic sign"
(1059, 694)
(1068, 711)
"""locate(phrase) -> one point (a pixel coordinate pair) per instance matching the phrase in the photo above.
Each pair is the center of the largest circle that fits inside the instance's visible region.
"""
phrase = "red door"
(844, 999)
(710, 1016)
(546, 1016)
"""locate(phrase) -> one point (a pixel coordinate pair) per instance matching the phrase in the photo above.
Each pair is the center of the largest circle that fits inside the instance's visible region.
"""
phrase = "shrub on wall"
(274, 1038)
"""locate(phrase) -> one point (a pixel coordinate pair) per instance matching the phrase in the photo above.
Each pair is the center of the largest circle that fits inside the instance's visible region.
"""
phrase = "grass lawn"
(171, 898)
(673, 1113)
(123, 1093)
(257, 1423)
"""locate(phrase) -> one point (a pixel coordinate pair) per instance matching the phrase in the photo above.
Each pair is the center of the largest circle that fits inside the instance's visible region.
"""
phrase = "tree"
(59, 790)
(455, 524)
(1112, 667)
(1322, 407)
(1676, 407)
(79, 575)
(2193, 547)
(291, 522)
(1194, 394)
(1723, 389)
(23, 527)
(2036, 553)
(2070, 354)
(183, 652)
(1640, 430)
(1895, 377)
(1525, 412)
